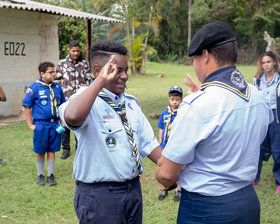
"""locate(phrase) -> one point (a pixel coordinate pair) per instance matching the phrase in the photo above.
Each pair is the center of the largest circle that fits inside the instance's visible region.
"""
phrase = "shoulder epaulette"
(131, 97)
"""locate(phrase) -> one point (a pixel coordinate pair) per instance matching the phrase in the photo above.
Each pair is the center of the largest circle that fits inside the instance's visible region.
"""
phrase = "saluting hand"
(109, 70)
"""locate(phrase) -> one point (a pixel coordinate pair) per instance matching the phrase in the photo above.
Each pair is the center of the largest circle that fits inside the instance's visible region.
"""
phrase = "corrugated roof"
(51, 9)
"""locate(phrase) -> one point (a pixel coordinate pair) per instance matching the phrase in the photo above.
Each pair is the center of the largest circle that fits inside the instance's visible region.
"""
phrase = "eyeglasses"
(51, 72)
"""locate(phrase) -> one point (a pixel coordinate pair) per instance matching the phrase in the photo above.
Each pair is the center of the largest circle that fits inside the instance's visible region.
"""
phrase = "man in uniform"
(113, 134)
(212, 146)
(72, 72)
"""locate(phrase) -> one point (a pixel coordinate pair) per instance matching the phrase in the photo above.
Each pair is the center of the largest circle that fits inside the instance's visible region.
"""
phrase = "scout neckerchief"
(168, 123)
(122, 113)
(53, 100)
(229, 78)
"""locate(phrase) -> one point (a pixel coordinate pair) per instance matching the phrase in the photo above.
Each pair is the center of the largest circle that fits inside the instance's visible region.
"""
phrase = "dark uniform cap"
(176, 89)
(209, 36)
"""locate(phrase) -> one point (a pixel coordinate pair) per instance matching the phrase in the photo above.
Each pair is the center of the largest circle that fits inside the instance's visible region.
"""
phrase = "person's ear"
(96, 69)
(205, 54)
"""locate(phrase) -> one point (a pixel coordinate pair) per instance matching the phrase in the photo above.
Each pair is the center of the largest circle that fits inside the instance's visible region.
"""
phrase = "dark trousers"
(65, 139)
(271, 144)
(109, 202)
(239, 207)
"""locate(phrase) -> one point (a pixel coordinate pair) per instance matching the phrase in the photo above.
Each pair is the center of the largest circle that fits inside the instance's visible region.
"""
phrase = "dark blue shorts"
(109, 202)
(239, 207)
(45, 137)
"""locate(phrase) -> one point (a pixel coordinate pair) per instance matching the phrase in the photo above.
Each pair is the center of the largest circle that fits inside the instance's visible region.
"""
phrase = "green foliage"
(137, 50)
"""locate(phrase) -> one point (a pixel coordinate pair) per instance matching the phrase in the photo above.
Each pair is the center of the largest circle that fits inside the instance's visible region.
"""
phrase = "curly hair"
(43, 66)
(260, 70)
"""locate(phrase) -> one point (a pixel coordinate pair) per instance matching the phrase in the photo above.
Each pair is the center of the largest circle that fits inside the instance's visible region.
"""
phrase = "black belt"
(109, 183)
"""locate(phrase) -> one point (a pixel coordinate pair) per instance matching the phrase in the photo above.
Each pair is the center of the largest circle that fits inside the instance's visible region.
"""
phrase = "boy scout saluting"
(113, 134)
(41, 103)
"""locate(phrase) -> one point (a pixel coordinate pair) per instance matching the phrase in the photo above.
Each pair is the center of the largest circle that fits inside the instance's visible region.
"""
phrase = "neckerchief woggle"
(228, 78)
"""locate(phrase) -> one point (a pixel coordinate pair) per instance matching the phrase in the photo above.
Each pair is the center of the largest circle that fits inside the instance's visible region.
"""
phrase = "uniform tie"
(168, 124)
(122, 113)
(53, 100)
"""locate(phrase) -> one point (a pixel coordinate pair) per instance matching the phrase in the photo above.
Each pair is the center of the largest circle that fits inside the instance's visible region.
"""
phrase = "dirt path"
(11, 120)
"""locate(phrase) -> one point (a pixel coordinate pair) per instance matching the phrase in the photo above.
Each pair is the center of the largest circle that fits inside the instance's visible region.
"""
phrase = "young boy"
(175, 94)
(41, 103)
(113, 134)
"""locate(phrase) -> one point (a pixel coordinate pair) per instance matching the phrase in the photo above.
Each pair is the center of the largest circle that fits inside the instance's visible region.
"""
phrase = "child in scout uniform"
(41, 103)
(113, 134)
(175, 94)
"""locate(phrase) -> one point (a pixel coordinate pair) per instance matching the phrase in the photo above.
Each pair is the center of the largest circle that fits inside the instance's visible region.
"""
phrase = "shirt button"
(110, 130)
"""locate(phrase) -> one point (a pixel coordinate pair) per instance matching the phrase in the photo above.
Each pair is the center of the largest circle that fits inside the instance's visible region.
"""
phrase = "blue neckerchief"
(228, 78)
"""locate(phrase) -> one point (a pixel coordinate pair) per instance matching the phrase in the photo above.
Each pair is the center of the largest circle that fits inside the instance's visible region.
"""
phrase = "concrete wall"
(26, 39)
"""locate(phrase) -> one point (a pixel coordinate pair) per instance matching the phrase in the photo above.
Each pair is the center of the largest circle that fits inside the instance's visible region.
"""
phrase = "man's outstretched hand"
(189, 81)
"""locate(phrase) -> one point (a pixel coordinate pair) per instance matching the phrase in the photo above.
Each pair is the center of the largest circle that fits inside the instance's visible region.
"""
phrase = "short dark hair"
(225, 54)
(175, 93)
(43, 66)
(74, 43)
(106, 48)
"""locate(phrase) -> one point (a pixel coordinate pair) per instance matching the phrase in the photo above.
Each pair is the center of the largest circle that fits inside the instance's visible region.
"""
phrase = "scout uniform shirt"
(216, 133)
(38, 98)
(104, 153)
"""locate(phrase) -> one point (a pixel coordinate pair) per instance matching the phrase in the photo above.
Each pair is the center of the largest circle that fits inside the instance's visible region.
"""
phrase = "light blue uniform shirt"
(104, 152)
(216, 135)
(268, 89)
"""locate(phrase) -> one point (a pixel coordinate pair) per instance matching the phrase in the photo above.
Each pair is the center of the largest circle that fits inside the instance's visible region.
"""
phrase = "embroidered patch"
(41, 92)
(237, 79)
(29, 90)
(108, 115)
(111, 141)
(43, 102)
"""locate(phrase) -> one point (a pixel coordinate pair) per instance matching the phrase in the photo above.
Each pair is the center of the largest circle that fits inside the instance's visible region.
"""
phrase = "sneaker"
(41, 180)
(162, 195)
(255, 184)
(51, 180)
(177, 196)
(277, 192)
(65, 154)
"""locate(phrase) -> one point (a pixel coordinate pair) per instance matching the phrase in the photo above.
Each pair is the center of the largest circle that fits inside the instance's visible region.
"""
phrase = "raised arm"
(78, 109)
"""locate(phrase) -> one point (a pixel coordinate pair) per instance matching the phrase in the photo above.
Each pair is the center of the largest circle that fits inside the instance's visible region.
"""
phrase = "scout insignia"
(41, 92)
(111, 141)
(44, 102)
(108, 115)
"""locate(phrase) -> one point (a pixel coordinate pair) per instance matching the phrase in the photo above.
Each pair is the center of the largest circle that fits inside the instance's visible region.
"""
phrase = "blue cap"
(176, 89)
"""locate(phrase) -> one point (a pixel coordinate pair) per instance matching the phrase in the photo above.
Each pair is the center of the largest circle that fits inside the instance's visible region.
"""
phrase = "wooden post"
(88, 37)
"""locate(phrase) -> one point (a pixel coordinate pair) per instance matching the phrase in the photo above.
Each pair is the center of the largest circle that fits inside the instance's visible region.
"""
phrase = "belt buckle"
(52, 120)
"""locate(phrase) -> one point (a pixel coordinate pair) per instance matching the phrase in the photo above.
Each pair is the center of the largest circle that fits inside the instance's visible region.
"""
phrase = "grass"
(22, 201)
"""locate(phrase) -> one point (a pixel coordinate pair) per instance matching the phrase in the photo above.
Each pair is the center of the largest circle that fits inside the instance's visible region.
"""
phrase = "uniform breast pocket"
(112, 134)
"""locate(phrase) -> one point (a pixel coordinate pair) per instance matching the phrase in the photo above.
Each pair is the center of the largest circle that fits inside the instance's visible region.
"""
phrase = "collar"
(117, 99)
(79, 59)
(228, 78)
(275, 78)
(41, 80)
